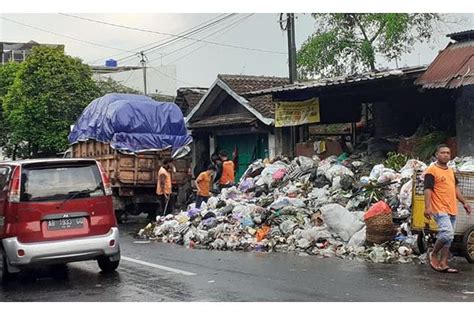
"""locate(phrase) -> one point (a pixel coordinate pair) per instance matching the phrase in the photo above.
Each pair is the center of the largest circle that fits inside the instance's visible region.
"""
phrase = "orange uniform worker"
(203, 184)
(228, 171)
(441, 191)
(164, 187)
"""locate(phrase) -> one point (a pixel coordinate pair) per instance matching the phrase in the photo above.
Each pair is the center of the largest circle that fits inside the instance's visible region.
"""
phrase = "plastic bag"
(341, 221)
(377, 209)
(326, 164)
(287, 226)
(262, 233)
(376, 171)
(406, 195)
(338, 171)
(247, 184)
(358, 239)
(278, 175)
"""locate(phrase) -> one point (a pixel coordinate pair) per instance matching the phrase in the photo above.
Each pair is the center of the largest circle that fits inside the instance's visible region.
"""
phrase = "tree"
(48, 94)
(348, 43)
(110, 85)
(8, 73)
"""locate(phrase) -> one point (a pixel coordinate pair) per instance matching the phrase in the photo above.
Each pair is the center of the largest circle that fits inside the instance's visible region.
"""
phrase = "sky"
(258, 45)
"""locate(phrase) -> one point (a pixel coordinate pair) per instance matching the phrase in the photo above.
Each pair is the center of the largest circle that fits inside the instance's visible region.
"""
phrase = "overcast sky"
(198, 64)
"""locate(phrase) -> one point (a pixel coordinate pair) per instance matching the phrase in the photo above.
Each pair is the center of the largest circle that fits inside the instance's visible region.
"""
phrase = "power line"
(156, 42)
(175, 79)
(65, 36)
(175, 40)
(174, 35)
(226, 29)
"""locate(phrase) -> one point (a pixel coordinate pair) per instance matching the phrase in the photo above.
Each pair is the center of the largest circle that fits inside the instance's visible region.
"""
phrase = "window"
(61, 182)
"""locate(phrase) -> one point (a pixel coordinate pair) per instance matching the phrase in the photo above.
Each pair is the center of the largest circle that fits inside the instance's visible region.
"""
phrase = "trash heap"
(308, 206)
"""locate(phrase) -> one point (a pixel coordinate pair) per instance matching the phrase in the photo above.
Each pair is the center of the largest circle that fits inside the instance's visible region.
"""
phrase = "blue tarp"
(132, 123)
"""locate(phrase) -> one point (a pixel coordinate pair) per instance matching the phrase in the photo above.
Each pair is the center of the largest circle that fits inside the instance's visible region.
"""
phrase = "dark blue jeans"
(199, 200)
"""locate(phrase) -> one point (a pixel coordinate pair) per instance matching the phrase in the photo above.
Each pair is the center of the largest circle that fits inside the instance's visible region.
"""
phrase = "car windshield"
(60, 182)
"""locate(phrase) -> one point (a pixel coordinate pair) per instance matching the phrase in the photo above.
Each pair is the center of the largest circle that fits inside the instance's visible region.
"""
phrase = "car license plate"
(66, 224)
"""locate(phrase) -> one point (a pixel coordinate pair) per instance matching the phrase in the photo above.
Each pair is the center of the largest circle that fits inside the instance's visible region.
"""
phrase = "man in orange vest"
(164, 188)
(228, 171)
(203, 184)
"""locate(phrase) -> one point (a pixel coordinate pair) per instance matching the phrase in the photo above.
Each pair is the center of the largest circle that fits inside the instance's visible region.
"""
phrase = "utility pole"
(290, 28)
(143, 62)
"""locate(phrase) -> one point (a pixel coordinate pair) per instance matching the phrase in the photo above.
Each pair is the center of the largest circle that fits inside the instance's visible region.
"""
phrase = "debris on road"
(329, 208)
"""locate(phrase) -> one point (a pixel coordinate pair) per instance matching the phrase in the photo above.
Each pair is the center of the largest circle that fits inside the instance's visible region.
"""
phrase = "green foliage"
(396, 161)
(109, 85)
(425, 146)
(348, 43)
(49, 92)
(8, 73)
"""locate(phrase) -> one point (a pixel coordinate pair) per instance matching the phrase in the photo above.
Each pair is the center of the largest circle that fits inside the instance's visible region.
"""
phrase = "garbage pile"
(308, 206)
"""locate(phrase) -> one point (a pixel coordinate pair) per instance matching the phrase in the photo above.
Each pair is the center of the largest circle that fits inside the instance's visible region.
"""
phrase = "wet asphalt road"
(201, 275)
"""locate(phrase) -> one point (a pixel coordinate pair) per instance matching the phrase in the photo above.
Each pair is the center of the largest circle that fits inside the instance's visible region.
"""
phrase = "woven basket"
(380, 228)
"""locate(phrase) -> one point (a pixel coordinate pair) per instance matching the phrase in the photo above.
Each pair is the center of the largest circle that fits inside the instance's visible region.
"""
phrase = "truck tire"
(106, 265)
(468, 244)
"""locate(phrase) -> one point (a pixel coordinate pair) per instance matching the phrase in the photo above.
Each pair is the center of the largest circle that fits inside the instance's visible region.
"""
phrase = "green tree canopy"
(348, 43)
(48, 94)
(108, 85)
(8, 73)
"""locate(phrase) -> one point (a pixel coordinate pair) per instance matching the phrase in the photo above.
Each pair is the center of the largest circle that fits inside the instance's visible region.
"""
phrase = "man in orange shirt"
(163, 187)
(203, 184)
(228, 171)
(441, 192)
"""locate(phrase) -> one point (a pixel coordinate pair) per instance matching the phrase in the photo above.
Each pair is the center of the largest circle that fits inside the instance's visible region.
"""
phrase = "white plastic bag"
(338, 171)
(376, 171)
(340, 221)
(358, 239)
(406, 196)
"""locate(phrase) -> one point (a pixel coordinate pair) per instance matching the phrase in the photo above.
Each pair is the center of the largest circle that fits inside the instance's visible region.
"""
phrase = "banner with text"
(297, 113)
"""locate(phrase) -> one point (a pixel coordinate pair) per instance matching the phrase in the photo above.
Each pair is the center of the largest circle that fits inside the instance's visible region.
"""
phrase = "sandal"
(449, 270)
(435, 268)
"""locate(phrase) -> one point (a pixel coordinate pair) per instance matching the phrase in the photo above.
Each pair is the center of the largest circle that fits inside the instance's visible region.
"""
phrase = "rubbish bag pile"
(308, 206)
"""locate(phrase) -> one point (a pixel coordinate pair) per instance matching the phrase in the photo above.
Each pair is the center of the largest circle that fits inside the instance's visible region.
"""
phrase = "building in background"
(17, 52)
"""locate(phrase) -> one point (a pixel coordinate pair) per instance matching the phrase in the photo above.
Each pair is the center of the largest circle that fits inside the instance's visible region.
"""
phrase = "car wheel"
(6, 275)
(106, 265)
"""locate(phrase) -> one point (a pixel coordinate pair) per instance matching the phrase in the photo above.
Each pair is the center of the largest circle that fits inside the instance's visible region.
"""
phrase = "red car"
(55, 211)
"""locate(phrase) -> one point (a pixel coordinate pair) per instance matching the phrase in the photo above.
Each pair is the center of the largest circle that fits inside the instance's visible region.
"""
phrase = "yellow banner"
(297, 113)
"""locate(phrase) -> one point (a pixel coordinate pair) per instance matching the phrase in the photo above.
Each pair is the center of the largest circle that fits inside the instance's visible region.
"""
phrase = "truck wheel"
(106, 265)
(468, 244)
(6, 275)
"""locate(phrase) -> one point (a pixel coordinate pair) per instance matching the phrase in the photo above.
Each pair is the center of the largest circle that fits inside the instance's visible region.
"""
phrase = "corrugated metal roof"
(369, 76)
(452, 68)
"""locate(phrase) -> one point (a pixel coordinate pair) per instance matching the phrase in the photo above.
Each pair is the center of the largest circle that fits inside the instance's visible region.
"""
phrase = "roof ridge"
(244, 76)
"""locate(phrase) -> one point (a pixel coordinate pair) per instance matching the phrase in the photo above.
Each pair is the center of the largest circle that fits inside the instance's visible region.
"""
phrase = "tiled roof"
(187, 98)
(223, 120)
(242, 84)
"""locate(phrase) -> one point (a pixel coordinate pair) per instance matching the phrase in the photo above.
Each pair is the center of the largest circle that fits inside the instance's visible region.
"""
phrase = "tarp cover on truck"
(133, 123)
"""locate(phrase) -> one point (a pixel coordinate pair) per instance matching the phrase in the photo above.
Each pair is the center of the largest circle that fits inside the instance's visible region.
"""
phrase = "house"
(18, 52)
(452, 71)
(228, 118)
(397, 108)
(188, 97)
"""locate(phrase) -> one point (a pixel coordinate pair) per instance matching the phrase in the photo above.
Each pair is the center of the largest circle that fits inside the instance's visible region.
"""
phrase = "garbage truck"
(131, 135)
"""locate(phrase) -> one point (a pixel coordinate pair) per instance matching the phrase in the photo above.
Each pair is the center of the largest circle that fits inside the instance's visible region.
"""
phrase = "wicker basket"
(380, 229)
